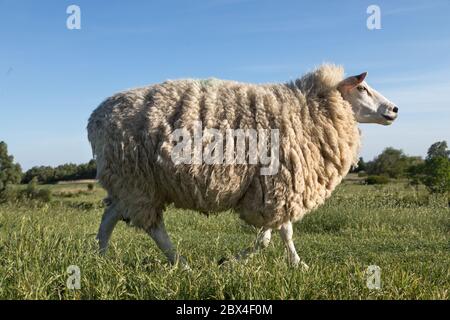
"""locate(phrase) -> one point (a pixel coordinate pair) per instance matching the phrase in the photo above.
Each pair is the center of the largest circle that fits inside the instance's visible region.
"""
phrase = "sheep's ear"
(351, 82)
(361, 77)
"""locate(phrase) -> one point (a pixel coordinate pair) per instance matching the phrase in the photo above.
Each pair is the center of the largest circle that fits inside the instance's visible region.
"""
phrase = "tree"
(361, 166)
(64, 172)
(438, 149)
(391, 162)
(44, 174)
(434, 173)
(10, 172)
(87, 170)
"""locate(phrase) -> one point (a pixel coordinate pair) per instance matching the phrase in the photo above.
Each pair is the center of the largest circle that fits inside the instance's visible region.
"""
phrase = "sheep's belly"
(207, 188)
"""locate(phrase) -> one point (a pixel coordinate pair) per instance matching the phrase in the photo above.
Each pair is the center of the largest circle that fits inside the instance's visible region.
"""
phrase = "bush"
(17, 195)
(8, 194)
(71, 194)
(30, 193)
(43, 195)
(362, 174)
(377, 180)
(90, 186)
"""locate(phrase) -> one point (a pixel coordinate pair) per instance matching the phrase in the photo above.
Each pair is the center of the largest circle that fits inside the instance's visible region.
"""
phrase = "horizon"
(80, 163)
(52, 78)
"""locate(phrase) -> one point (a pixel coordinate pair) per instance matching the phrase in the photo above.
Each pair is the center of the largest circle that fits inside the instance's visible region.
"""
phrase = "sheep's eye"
(361, 88)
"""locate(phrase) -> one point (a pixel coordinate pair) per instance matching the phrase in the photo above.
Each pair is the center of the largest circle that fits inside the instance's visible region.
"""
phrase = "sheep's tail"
(93, 130)
(97, 129)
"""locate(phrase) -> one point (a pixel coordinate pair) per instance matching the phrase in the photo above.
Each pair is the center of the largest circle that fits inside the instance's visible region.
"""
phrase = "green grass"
(406, 235)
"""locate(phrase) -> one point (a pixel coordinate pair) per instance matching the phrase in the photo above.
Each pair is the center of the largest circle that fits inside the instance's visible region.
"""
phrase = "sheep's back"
(131, 134)
(216, 104)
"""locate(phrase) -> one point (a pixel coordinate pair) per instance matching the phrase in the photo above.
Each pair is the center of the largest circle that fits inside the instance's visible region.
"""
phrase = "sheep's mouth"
(389, 118)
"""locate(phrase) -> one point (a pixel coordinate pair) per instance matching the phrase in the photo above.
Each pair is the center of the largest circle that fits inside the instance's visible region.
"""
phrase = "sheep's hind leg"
(109, 220)
(286, 233)
(160, 236)
(262, 242)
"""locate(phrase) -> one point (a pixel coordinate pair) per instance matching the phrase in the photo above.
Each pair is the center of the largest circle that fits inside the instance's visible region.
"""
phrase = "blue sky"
(51, 78)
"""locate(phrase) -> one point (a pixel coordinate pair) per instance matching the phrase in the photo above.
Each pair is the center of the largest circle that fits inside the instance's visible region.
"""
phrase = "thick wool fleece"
(131, 131)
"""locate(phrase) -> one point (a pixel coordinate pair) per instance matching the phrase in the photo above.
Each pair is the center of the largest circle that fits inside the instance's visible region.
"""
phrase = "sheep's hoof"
(301, 265)
(296, 262)
(182, 264)
(304, 266)
(186, 268)
(225, 261)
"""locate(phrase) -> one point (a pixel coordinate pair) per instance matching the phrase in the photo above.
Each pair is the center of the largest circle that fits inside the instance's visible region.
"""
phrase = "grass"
(404, 233)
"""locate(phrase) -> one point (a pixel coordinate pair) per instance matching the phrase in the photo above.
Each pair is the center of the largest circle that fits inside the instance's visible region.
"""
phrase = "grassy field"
(406, 234)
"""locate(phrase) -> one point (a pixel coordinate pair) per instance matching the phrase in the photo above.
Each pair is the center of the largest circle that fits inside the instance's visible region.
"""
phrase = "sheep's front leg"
(262, 242)
(286, 232)
(109, 220)
(160, 236)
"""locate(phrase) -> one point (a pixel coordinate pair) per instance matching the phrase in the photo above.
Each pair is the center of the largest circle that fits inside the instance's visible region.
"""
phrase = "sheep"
(316, 116)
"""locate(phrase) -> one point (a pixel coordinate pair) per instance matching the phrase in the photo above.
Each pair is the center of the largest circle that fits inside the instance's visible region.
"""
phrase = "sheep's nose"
(395, 109)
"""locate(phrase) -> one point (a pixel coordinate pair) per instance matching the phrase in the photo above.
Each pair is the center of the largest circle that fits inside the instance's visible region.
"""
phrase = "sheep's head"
(368, 105)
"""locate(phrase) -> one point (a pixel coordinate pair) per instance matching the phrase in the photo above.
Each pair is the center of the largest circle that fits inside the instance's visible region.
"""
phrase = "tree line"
(11, 172)
(433, 171)
(65, 172)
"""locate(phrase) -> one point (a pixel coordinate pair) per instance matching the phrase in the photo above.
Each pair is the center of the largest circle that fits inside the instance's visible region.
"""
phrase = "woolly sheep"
(131, 134)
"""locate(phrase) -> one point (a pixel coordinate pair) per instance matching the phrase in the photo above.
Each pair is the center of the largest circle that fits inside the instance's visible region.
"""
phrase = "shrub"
(377, 180)
(71, 194)
(33, 193)
(8, 194)
(44, 195)
(23, 195)
(32, 185)
(90, 186)
(362, 174)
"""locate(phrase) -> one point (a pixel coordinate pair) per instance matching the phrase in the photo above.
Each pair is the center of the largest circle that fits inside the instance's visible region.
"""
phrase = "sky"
(52, 78)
